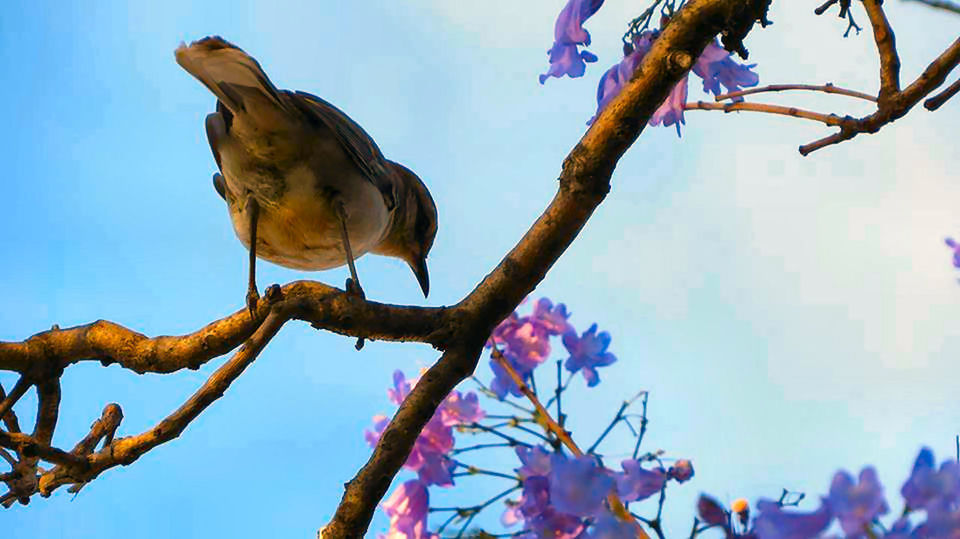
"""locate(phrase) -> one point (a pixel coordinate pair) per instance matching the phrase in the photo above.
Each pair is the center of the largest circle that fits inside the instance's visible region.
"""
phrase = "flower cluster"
(856, 506)
(714, 66)
(563, 496)
(526, 345)
(430, 457)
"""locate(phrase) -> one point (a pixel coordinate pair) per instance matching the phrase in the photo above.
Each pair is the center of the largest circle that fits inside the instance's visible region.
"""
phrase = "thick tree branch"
(584, 182)
(321, 305)
(887, 48)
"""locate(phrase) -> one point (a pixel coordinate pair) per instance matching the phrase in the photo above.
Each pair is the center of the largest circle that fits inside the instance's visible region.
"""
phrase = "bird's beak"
(419, 267)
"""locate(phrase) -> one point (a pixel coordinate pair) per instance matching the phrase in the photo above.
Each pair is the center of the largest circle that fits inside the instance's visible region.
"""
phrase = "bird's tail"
(232, 75)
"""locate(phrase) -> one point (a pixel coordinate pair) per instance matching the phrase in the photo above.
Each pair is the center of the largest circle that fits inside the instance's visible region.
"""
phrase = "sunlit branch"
(827, 119)
(938, 100)
(826, 88)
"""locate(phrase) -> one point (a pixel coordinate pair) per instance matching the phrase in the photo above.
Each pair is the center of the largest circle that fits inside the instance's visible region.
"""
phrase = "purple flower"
(943, 522)
(956, 251)
(775, 523)
(608, 526)
(681, 471)
(539, 515)
(711, 511)
(900, 530)
(536, 461)
(578, 485)
(502, 383)
(407, 510)
(458, 409)
(568, 33)
(529, 344)
(927, 485)
(401, 388)
(504, 328)
(620, 74)
(670, 111)
(565, 60)
(555, 525)
(552, 319)
(857, 504)
(636, 484)
(588, 352)
(716, 67)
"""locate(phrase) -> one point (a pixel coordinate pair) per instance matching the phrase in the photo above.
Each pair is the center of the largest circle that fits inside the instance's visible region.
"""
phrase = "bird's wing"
(354, 140)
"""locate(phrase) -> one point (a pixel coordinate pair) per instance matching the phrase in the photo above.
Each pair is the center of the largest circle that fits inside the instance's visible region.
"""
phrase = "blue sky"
(789, 315)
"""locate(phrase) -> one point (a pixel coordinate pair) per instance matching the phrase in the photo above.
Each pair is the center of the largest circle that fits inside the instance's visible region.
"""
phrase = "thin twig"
(827, 119)
(9, 418)
(939, 4)
(19, 389)
(826, 88)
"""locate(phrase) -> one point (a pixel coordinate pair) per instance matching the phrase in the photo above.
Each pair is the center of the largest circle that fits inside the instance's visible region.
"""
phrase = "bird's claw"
(252, 298)
(353, 288)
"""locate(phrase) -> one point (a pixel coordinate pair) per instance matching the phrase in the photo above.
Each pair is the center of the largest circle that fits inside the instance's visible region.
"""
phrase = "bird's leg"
(253, 211)
(353, 283)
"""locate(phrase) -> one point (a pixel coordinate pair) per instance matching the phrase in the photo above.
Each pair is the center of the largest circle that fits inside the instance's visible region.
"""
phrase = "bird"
(305, 186)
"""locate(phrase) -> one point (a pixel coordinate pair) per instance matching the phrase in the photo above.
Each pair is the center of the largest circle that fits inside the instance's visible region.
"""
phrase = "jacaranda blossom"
(857, 504)
(927, 485)
(636, 484)
(430, 456)
(578, 485)
(587, 352)
(524, 342)
(608, 526)
(774, 522)
(568, 35)
(715, 66)
(407, 510)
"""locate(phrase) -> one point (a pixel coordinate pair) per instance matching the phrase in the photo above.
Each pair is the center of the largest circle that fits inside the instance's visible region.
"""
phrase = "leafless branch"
(946, 5)
(938, 100)
(827, 119)
(826, 88)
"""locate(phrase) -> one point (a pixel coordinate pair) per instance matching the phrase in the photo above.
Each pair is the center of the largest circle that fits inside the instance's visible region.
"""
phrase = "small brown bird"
(306, 187)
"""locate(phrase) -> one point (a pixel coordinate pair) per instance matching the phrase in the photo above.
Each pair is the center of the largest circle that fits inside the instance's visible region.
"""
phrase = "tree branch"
(827, 119)
(938, 100)
(321, 305)
(584, 182)
(946, 5)
(894, 106)
(828, 88)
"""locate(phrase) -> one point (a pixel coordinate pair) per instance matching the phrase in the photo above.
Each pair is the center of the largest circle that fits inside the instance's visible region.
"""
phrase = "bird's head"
(414, 225)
